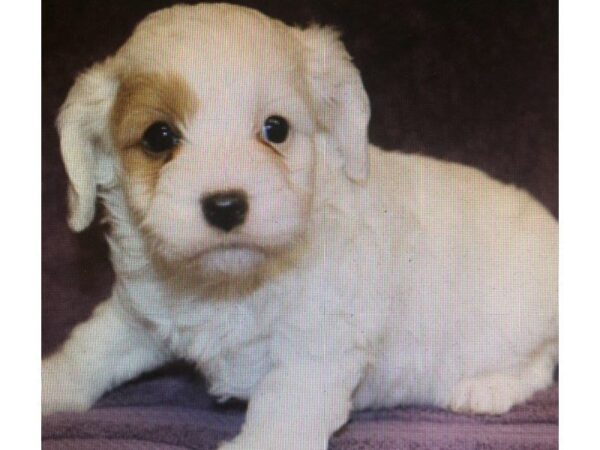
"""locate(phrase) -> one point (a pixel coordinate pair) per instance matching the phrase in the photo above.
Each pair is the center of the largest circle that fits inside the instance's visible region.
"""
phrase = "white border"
(579, 146)
(20, 234)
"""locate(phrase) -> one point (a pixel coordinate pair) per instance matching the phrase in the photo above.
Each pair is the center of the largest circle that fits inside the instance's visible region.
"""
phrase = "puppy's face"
(212, 115)
(214, 132)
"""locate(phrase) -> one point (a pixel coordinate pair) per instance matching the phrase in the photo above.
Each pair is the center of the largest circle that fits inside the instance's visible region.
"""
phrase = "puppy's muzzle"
(225, 210)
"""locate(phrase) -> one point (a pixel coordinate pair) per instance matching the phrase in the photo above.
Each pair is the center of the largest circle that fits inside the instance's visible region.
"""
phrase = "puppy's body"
(425, 282)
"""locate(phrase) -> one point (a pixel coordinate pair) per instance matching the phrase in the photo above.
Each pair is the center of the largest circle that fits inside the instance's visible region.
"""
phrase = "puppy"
(255, 232)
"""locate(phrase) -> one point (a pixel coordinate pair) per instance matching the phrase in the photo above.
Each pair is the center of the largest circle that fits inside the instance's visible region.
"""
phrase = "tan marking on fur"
(142, 99)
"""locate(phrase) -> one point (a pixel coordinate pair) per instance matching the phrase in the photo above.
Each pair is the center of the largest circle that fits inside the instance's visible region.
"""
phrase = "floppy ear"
(341, 101)
(85, 141)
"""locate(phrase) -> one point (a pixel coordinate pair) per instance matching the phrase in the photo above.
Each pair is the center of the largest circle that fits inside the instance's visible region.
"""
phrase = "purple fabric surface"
(475, 82)
(173, 410)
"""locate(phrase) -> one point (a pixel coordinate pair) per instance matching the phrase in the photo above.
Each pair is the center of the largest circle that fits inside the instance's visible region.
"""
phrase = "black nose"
(225, 210)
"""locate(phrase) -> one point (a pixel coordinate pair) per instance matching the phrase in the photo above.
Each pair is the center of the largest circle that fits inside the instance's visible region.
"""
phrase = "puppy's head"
(210, 118)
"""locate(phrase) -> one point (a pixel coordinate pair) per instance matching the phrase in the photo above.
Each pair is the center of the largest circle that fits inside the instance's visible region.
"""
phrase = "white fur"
(417, 282)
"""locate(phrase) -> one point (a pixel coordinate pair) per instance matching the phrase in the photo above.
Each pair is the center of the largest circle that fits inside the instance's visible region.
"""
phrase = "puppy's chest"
(199, 330)
(228, 342)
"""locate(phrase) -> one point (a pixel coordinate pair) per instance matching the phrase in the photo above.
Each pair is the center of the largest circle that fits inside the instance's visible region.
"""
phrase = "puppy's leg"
(100, 353)
(496, 393)
(299, 406)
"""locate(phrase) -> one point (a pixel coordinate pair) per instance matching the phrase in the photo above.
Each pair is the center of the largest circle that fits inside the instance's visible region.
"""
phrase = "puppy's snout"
(225, 210)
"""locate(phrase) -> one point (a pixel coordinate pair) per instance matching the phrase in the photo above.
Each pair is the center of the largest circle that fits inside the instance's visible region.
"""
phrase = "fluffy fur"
(359, 278)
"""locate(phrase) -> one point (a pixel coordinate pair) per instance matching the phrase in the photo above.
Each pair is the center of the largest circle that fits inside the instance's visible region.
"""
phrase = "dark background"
(470, 81)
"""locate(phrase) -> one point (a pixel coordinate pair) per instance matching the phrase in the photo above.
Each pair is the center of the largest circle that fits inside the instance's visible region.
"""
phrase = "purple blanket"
(173, 411)
(469, 81)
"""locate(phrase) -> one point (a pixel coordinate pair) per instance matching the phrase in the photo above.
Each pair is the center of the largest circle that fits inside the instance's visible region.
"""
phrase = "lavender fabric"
(475, 82)
(172, 410)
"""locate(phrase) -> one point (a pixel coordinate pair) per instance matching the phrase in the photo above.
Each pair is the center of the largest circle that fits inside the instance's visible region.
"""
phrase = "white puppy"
(249, 236)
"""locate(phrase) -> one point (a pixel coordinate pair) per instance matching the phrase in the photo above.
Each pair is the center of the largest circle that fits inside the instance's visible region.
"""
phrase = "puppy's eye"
(160, 138)
(275, 129)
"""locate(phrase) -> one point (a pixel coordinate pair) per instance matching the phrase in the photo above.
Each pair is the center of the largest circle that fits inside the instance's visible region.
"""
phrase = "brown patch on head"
(143, 99)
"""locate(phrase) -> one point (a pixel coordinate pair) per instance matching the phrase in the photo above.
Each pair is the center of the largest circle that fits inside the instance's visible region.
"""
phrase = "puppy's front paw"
(59, 394)
(52, 404)
(488, 394)
(238, 446)
(270, 442)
